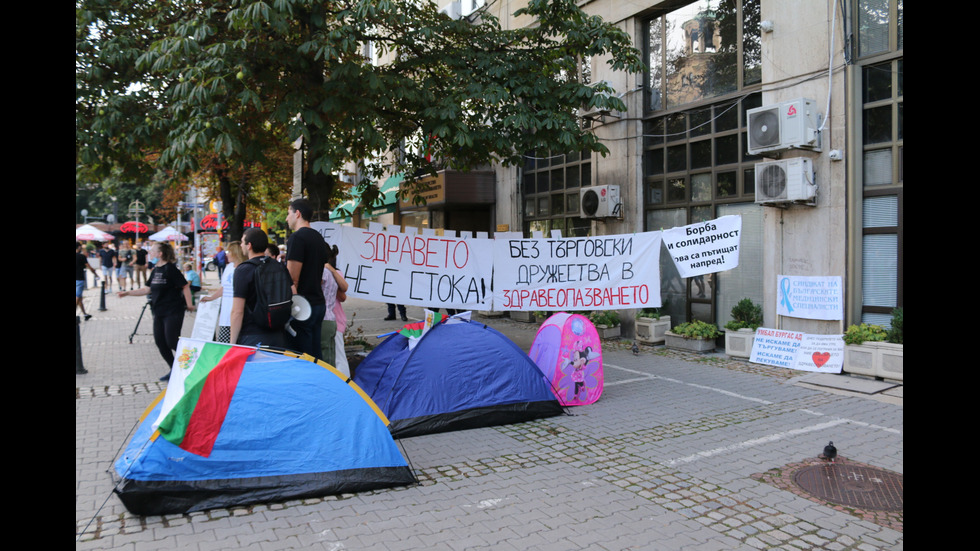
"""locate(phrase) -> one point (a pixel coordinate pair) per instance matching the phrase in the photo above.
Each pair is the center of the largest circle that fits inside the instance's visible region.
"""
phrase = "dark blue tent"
(461, 375)
(288, 429)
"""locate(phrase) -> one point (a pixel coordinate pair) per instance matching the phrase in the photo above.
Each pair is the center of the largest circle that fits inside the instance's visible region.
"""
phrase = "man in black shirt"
(244, 329)
(306, 253)
(80, 264)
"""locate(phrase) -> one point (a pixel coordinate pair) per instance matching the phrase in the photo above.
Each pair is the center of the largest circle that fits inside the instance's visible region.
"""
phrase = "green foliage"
(609, 318)
(896, 334)
(649, 313)
(857, 334)
(745, 315)
(183, 85)
(697, 329)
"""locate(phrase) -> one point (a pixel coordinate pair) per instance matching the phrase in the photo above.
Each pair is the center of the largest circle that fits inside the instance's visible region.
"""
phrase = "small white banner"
(795, 350)
(815, 298)
(706, 247)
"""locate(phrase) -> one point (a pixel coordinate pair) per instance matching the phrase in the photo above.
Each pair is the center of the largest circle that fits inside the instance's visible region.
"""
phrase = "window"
(550, 187)
(704, 50)
(880, 47)
(705, 74)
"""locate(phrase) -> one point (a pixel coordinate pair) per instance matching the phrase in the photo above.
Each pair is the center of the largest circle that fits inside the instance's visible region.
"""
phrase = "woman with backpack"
(170, 297)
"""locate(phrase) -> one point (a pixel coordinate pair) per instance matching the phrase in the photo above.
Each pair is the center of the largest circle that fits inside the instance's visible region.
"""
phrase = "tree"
(238, 80)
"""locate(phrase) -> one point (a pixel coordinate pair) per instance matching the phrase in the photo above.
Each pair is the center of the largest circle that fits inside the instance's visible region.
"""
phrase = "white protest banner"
(816, 298)
(705, 247)
(608, 272)
(329, 231)
(421, 270)
(775, 347)
(795, 350)
(823, 353)
(205, 320)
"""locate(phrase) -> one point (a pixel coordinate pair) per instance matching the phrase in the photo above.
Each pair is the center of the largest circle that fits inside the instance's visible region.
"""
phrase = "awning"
(387, 202)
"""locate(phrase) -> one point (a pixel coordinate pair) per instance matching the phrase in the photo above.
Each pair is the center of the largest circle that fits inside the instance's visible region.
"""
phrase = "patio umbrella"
(89, 232)
(134, 227)
(168, 234)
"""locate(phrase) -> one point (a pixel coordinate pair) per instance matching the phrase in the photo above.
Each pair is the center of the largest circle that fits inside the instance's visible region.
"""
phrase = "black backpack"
(273, 293)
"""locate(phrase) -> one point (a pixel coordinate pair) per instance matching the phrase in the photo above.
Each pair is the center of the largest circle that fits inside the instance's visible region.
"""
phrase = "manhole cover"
(855, 485)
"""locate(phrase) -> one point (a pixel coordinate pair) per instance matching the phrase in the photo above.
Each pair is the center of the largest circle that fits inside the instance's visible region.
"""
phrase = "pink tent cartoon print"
(567, 349)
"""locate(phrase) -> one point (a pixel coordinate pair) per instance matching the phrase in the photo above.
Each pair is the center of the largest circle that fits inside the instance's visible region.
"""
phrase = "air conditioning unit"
(785, 181)
(595, 112)
(453, 9)
(600, 202)
(787, 125)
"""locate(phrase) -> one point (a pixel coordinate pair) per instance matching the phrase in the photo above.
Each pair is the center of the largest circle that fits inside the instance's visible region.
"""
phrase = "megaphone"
(301, 309)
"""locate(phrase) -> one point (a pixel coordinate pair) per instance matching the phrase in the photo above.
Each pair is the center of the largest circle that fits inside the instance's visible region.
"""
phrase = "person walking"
(306, 255)
(108, 256)
(139, 265)
(170, 296)
(81, 262)
(124, 270)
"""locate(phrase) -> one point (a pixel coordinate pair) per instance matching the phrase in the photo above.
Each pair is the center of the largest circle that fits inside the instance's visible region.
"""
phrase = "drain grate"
(853, 484)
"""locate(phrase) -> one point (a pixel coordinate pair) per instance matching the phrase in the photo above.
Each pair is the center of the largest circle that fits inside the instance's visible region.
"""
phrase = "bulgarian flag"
(415, 331)
(202, 382)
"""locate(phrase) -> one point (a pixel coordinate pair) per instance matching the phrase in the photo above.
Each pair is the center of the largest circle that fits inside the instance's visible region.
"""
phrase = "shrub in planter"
(867, 352)
(896, 334)
(745, 315)
(652, 313)
(740, 331)
(651, 326)
(609, 318)
(859, 334)
(694, 336)
(697, 329)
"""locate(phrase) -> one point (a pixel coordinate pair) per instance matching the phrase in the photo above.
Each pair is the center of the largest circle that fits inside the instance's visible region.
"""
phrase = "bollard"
(102, 298)
(79, 368)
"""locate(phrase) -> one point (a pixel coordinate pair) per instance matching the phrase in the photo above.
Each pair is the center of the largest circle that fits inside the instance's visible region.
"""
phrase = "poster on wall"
(796, 350)
(816, 297)
(705, 247)
(609, 272)
(421, 270)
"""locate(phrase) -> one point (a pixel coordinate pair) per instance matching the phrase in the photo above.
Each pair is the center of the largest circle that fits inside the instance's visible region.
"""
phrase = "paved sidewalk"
(680, 453)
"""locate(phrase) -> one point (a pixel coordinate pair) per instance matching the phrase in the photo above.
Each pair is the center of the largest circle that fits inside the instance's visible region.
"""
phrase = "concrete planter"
(738, 344)
(875, 359)
(652, 331)
(678, 342)
(606, 332)
(525, 316)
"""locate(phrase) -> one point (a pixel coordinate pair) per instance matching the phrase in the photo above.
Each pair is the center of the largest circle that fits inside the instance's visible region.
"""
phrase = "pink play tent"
(568, 351)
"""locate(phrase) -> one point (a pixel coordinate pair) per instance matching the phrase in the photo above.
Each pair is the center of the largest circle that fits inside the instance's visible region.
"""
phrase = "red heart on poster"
(820, 358)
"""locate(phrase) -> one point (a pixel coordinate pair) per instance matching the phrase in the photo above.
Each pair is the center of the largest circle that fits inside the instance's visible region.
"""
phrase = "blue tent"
(461, 374)
(291, 428)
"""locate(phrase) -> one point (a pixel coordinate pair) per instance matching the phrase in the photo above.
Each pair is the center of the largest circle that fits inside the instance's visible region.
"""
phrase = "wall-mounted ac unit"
(586, 112)
(453, 9)
(787, 125)
(785, 181)
(600, 202)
